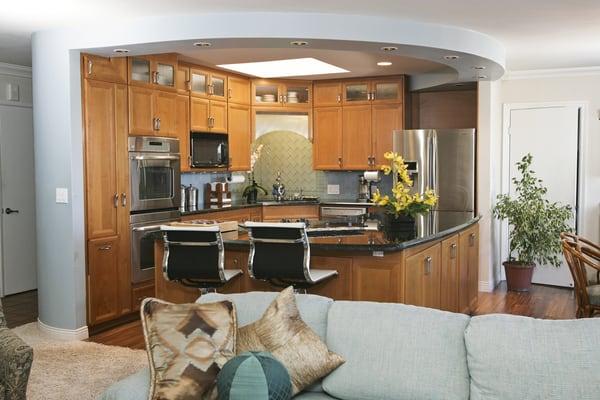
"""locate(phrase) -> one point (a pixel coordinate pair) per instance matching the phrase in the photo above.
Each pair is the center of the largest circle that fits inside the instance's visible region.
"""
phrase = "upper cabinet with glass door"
(208, 84)
(385, 90)
(271, 93)
(157, 71)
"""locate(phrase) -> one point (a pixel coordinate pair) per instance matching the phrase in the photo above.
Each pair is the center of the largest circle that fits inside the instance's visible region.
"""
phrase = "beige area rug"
(75, 370)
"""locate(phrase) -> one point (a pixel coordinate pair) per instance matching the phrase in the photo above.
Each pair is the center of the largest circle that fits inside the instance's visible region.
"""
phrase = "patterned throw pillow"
(281, 332)
(187, 345)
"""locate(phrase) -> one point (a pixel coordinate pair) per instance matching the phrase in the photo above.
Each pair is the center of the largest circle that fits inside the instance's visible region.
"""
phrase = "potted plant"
(250, 192)
(401, 206)
(535, 226)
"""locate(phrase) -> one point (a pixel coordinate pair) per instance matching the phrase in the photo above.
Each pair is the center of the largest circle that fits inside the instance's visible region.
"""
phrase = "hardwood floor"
(542, 302)
(20, 309)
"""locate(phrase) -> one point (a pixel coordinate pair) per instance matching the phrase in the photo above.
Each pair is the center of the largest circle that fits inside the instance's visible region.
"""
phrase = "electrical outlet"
(12, 92)
(62, 195)
(333, 189)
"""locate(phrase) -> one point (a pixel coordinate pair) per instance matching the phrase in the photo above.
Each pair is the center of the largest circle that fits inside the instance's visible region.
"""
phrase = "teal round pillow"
(254, 375)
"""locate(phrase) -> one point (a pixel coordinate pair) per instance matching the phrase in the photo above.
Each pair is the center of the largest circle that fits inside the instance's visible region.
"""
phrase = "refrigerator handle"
(433, 157)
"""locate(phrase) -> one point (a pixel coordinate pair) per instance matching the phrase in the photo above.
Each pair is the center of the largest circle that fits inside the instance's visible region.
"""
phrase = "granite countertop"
(428, 228)
(238, 204)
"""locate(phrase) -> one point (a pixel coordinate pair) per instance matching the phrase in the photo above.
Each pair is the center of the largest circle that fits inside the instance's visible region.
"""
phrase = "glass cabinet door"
(266, 93)
(199, 82)
(218, 85)
(390, 91)
(356, 92)
(299, 94)
(140, 70)
(165, 74)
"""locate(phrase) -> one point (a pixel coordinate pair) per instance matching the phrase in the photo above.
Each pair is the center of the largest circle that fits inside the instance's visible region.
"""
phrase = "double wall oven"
(155, 180)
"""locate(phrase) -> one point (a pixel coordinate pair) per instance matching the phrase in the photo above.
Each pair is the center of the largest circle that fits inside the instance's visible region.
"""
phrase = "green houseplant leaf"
(535, 223)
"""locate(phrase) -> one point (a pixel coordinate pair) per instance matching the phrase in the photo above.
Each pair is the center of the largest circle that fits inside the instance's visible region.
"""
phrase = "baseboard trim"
(64, 334)
(486, 286)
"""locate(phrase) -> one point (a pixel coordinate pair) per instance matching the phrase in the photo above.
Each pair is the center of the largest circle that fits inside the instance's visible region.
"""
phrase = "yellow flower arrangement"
(402, 201)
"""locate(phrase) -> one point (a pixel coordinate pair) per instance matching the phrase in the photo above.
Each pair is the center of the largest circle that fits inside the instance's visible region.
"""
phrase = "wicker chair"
(579, 258)
(15, 363)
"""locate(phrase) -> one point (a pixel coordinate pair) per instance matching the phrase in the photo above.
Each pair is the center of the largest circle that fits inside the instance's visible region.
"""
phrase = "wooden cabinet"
(152, 112)
(327, 138)
(327, 94)
(208, 115)
(368, 91)
(356, 134)
(375, 279)
(468, 269)
(141, 291)
(182, 127)
(277, 213)
(207, 83)
(105, 69)
(107, 191)
(338, 287)
(449, 275)
(385, 119)
(154, 71)
(240, 136)
(422, 274)
(273, 93)
(182, 79)
(238, 90)
(240, 215)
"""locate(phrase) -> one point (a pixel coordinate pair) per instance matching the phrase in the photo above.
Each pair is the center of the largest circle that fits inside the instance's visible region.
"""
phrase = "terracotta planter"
(518, 275)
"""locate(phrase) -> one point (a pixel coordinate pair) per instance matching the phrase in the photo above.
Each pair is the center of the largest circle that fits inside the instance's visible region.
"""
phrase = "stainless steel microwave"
(209, 150)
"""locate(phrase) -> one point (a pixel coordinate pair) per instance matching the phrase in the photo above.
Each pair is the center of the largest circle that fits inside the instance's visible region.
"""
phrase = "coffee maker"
(365, 186)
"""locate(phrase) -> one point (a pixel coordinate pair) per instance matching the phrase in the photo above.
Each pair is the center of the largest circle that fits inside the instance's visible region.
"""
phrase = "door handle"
(427, 265)
(471, 239)
(90, 65)
(123, 199)
(116, 200)
(453, 251)
(11, 211)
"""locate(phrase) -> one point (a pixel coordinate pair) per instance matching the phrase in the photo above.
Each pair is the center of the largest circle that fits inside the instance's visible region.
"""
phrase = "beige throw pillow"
(281, 332)
(187, 345)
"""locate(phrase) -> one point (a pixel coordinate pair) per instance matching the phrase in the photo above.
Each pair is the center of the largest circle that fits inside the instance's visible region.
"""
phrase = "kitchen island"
(435, 266)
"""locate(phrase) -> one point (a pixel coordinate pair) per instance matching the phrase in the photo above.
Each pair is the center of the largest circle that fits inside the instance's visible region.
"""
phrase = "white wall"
(576, 87)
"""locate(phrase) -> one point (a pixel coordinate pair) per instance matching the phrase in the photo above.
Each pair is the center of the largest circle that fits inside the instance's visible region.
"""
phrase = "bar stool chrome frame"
(273, 243)
(213, 275)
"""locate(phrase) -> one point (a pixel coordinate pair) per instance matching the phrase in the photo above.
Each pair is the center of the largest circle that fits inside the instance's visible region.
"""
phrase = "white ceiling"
(537, 34)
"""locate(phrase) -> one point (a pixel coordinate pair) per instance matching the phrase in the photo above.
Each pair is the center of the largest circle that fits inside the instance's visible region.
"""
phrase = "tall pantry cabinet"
(107, 191)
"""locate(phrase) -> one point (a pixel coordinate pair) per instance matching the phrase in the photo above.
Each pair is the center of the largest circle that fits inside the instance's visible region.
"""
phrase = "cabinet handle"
(154, 124)
(116, 200)
(123, 199)
(154, 78)
(211, 89)
(90, 65)
(188, 85)
(453, 251)
(105, 247)
(285, 98)
(472, 239)
(340, 161)
(229, 92)
(235, 261)
(339, 98)
(158, 124)
(427, 265)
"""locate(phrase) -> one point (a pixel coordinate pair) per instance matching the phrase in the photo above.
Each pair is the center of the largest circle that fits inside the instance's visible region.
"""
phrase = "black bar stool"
(280, 254)
(195, 256)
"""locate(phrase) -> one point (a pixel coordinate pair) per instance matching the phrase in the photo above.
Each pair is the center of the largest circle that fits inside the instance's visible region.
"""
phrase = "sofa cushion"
(134, 387)
(512, 357)
(252, 305)
(396, 352)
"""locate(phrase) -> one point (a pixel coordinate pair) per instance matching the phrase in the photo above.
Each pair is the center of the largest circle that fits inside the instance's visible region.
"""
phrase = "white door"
(551, 134)
(17, 200)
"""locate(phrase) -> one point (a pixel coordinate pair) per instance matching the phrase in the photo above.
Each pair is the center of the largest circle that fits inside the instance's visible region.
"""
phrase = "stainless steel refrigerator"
(442, 160)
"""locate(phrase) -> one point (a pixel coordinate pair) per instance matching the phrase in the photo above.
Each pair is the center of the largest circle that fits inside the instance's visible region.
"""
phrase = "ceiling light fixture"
(202, 44)
(451, 57)
(120, 51)
(389, 48)
(384, 63)
(480, 77)
(285, 68)
(299, 43)
(478, 67)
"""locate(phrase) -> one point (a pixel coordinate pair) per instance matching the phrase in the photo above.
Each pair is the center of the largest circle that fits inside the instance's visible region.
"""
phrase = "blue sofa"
(397, 352)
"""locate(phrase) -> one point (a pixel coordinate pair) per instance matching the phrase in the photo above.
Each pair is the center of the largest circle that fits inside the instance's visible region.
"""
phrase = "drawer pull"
(472, 239)
(105, 247)
(453, 250)
(427, 265)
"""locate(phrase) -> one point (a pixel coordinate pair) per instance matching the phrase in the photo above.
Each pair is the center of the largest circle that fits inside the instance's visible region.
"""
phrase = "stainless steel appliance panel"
(142, 228)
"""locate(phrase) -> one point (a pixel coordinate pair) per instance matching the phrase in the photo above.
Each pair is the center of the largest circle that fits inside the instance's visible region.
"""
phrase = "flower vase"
(399, 227)
(252, 196)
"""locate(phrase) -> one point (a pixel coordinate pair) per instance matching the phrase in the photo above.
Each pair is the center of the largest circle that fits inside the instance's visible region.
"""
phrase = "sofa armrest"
(16, 358)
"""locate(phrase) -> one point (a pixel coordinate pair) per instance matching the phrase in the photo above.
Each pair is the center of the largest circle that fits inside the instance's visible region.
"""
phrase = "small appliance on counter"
(189, 198)
(365, 186)
(278, 189)
(217, 195)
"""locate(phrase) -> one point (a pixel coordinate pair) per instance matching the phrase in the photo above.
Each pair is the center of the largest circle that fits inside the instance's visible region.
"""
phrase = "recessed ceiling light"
(202, 44)
(480, 77)
(299, 43)
(451, 57)
(120, 51)
(478, 67)
(389, 48)
(283, 68)
(384, 63)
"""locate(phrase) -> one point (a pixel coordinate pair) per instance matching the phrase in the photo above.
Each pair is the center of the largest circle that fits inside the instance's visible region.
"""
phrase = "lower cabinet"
(103, 268)
(376, 279)
(450, 275)
(340, 286)
(277, 213)
(469, 269)
(422, 278)
(141, 291)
